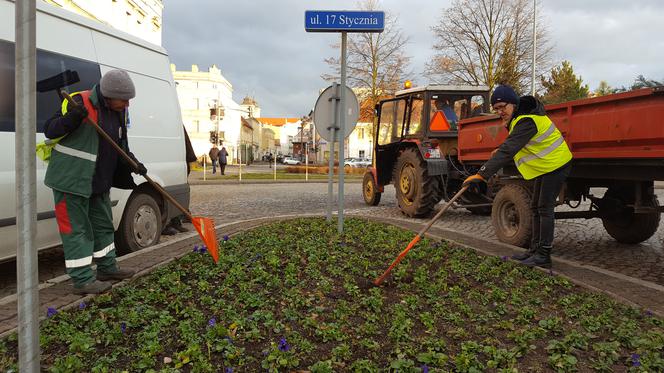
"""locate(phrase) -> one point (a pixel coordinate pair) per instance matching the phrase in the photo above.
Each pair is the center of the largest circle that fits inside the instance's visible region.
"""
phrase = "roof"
(454, 88)
(277, 122)
(249, 101)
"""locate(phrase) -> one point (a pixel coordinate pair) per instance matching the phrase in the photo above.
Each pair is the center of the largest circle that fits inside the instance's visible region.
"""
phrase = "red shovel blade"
(205, 228)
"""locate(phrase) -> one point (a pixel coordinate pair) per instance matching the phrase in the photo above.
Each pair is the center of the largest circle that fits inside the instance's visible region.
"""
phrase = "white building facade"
(203, 94)
(141, 18)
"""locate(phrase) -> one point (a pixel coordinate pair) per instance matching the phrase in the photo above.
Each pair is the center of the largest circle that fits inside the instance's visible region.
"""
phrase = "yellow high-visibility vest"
(545, 152)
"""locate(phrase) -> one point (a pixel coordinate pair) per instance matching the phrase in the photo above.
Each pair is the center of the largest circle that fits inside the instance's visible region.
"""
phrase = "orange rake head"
(205, 228)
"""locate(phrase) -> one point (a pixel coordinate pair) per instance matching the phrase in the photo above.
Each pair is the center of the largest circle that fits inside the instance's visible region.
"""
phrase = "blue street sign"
(348, 21)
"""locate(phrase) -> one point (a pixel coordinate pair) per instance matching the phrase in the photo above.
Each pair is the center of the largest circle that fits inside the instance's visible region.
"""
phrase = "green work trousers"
(86, 228)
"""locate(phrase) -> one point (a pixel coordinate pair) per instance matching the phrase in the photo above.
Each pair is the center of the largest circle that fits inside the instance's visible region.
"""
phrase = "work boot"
(94, 287)
(118, 274)
(169, 231)
(531, 250)
(177, 224)
(525, 255)
(541, 258)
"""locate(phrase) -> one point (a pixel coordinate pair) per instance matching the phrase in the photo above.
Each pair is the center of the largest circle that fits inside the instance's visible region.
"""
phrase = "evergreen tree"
(563, 85)
(643, 82)
(604, 89)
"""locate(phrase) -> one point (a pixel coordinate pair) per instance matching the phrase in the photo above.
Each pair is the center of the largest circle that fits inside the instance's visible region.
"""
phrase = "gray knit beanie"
(117, 84)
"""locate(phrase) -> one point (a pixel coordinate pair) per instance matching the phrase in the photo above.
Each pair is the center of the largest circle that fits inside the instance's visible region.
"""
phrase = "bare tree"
(376, 62)
(488, 42)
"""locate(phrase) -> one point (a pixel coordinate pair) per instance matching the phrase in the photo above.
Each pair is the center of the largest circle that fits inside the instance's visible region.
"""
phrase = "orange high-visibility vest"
(439, 122)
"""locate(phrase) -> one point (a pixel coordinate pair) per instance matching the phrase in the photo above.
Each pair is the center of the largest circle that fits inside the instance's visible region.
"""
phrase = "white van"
(66, 41)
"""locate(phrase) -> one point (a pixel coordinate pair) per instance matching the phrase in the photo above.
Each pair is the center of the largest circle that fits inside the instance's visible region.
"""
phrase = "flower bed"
(296, 296)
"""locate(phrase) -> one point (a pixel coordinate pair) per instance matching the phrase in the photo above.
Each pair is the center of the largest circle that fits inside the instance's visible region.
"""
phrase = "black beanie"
(504, 93)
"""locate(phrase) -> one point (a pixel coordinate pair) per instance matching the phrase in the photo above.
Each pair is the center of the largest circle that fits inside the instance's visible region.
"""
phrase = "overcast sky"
(263, 50)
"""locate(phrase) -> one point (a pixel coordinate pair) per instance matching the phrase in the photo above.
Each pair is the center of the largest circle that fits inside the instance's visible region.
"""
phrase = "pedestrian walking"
(223, 159)
(81, 172)
(541, 154)
(214, 157)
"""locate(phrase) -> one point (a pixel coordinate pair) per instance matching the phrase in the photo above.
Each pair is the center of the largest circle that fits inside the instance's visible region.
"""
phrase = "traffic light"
(214, 137)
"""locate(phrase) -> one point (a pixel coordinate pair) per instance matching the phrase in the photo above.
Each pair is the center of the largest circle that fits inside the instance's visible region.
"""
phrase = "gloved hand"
(76, 112)
(140, 169)
(473, 180)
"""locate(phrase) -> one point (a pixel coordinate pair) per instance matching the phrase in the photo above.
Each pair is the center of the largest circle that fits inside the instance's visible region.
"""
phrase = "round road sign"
(324, 112)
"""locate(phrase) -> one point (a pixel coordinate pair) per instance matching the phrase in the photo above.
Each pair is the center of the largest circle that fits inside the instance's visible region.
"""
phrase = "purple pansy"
(283, 345)
(212, 322)
(50, 312)
(228, 370)
(636, 360)
(82, 306)
(195, 248)
(123, 327)
(425, 368)
(226, 238)
(504, 259)
(203, 249)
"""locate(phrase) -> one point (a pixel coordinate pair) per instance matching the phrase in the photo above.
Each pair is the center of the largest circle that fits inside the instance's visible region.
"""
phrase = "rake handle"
(127, 158)
(418, 237)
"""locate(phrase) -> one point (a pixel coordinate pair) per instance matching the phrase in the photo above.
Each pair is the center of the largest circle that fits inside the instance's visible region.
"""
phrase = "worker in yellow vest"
(540, 152)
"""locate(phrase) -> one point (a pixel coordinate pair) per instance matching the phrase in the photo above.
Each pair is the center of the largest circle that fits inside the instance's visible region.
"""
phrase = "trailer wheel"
(369, 190)
(511, 216)
(417, 192)
(140, 226)
(627, 227)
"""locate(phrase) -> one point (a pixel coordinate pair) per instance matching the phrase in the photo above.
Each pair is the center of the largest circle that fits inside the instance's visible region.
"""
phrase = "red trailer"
(618, 146)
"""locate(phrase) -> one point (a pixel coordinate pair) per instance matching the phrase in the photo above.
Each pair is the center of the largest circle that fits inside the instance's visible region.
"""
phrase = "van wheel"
(511, 216)
(369, 190)
(624, 225)
(140, 226)
(417, 192)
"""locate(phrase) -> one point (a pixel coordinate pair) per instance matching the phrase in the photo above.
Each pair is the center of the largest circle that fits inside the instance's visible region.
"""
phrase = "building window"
(197, 124)
(196, 103)
(361, 154)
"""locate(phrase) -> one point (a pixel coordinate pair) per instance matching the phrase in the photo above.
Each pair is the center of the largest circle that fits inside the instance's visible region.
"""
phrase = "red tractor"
(429, 139)
(416, 148)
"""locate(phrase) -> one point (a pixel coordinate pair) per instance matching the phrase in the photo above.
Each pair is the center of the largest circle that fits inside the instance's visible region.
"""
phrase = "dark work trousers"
(546, 190)
(222, 168)
(214, 166)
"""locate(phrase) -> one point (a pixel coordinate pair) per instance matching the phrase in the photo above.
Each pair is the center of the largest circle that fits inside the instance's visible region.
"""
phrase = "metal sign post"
(326, 119)
(332, 129)
(344, 22)
(26, 189)
(342, 130)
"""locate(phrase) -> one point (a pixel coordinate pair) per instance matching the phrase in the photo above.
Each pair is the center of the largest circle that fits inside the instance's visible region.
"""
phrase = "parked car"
(292, 161)
(357, 162)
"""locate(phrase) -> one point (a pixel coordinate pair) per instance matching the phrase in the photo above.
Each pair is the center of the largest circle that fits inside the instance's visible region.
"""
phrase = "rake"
(418, 237)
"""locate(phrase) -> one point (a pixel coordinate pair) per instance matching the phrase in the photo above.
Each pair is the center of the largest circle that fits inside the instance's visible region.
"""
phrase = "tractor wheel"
(370, 190)
(417, 192)
(511, 216)
(627, 227)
